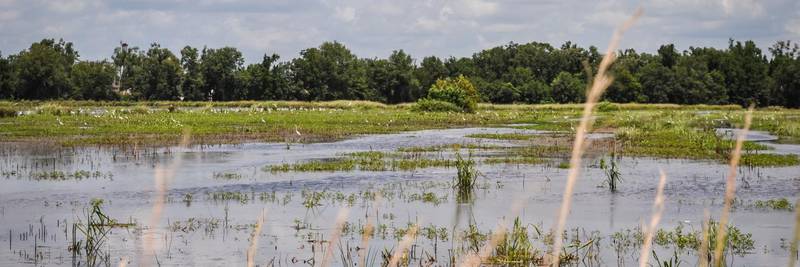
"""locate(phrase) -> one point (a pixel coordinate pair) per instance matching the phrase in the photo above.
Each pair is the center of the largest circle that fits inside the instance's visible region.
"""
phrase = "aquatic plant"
(466, 177)
(613, 176)
(775, 204)
(95, 231)
(516, 248)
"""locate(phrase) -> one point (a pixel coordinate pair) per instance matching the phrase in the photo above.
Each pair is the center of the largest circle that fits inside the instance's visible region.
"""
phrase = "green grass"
(365, 161)
(774, 204)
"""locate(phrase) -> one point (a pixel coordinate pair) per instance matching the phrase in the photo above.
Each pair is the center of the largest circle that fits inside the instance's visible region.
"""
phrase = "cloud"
(373, 28)
(346, 14)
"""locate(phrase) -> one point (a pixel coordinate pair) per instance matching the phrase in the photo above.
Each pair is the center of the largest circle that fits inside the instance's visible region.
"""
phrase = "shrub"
(7, 112)
(431, 105)
(459, 91)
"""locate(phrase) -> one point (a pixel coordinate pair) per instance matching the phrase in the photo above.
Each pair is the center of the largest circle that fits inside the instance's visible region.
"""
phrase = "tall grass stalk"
(703, 261)
(251, 250)
(162, 177)
(368, 231)
(601, 81)
(658, 210)
(404, 244)
(499, 234)
(730, 188)
(796, 238)
(466, 178)
(341, 219)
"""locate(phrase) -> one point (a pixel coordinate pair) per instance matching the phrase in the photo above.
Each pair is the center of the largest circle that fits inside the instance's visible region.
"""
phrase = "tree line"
(513, 73)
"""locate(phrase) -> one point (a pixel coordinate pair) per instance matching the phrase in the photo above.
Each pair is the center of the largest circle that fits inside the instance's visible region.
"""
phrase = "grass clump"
(514, 160)
(433, 105)
(516, 248)
(466, 178)
(769, 160)
(95, 232)
(738, 242)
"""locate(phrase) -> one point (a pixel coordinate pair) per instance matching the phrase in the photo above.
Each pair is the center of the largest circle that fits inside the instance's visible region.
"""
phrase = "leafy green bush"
(459, 91)
(431, 105)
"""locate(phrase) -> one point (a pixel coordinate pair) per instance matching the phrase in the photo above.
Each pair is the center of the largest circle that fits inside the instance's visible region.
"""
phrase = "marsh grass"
(774, 204)
(769, 160)
(95, 231)
(611, 170)
(466, 177)
(516, 248)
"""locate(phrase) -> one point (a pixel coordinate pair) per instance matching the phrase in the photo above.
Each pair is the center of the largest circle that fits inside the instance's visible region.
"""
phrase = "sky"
(374, 28)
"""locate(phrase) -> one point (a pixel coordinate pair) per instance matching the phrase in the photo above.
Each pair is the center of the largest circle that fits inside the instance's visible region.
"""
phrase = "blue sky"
(373, 28)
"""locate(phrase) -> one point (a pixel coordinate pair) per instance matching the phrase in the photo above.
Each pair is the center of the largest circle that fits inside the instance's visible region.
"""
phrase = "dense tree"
(93, 80)
(568, 88)
(511, 73)
(331, 72)
(431, 69)
(219, 69)
(8, 81)
(192, 83)
(784, 87)
(43, 70)
(157, 75)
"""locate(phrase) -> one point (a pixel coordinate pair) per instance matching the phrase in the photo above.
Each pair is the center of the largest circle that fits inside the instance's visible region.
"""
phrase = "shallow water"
(36, 215)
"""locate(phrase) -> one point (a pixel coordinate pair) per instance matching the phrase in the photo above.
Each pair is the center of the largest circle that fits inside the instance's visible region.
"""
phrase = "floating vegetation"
(506, 136)
(227, 176)
(68, 176)
(774, 204)
(364, 161)
(454, 147)
(738, 243)
(769, 160)
(514, 160)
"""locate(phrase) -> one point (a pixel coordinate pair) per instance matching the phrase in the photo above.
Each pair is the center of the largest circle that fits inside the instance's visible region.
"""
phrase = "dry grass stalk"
(474, 260)
(793, 247)
(251, 250)
(163, 175)
(658, 210)
(368, 231)
(341, 219)
(601, 81)
(703, 262)
(730, 188)
(404, 244)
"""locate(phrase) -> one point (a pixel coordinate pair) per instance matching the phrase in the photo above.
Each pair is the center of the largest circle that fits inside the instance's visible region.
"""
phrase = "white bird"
(263, 121)
(59, 121)
(296, 131)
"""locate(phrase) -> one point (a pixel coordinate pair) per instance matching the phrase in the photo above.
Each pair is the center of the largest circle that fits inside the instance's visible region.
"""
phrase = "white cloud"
(346, 14)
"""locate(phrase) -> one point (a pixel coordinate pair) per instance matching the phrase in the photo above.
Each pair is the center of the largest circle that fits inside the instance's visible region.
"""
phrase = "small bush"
(6, 112)
(458, 91)
(607, 106)
(430, 105)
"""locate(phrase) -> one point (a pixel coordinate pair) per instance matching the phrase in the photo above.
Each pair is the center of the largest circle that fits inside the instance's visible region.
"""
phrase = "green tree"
(500, 92)
(431, 69)
(192, 82)
(784, 73)
(331, 72)
(393, 78)
(568, 88)
(219, 68)
(745, 70)
(8, 78)
(93, 80)
(458, 91)
(44, 68)
(158, 76)
(659, 83)
(535, 92)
